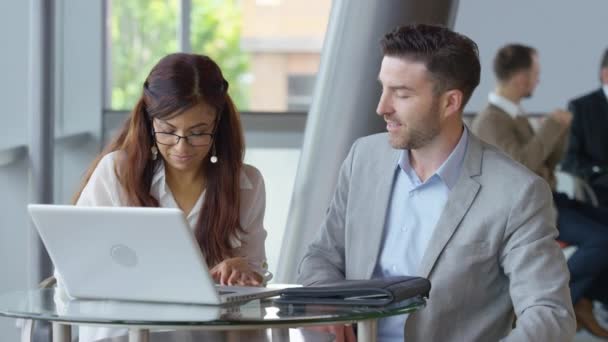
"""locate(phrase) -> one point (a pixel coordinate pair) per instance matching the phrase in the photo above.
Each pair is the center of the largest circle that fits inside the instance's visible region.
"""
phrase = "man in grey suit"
(430, 199)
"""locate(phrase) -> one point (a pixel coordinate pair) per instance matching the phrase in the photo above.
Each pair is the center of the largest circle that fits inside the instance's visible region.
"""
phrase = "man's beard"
(420, 137)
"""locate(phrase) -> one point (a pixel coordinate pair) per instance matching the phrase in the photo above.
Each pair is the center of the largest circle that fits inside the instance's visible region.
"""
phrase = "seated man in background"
(587, 152)
(503, 124)
(430, 199)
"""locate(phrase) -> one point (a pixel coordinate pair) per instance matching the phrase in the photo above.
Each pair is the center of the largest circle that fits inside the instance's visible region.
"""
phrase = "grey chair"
(575, 187)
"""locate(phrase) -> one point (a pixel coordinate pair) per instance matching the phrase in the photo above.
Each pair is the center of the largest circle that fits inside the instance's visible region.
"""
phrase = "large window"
(268, 50)
(140, 33)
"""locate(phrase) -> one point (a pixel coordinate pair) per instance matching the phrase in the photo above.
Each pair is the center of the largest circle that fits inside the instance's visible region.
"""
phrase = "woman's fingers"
(234, 277)
(226, 275)
(215, 274)
(235, 271)
(220, 273)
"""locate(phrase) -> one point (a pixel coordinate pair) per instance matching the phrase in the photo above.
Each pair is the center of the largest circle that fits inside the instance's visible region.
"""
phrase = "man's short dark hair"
(604, 60)
(512, 58)
(452, 59)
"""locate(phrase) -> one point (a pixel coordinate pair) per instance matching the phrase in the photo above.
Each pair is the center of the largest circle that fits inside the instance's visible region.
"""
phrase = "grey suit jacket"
(492, 255)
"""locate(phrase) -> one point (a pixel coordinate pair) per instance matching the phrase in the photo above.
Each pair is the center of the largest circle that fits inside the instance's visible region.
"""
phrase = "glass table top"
(42, 304)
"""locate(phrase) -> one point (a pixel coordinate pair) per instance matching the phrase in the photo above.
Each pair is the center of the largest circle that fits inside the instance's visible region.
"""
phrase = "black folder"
(372, 292)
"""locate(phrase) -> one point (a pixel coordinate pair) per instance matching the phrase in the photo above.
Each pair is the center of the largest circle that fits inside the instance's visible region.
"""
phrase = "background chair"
(576, 188)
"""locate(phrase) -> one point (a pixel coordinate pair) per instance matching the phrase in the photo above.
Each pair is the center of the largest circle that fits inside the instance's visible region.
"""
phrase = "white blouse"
(104, 189)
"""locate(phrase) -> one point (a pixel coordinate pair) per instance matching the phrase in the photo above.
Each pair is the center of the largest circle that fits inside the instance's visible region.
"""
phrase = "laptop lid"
(129, 253)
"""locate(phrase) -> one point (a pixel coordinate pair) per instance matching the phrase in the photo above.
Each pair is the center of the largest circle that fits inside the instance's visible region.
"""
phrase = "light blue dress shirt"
(411, 218)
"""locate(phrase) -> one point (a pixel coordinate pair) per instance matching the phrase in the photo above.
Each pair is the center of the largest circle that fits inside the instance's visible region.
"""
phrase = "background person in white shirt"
(182, 147)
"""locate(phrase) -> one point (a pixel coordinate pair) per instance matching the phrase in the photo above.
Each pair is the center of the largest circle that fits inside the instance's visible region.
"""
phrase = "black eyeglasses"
(197, 139)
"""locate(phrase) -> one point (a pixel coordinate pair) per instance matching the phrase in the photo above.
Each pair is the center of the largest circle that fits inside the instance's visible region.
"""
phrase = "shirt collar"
(605, 89)
(505, 104)
(159, 180)
(449, 171)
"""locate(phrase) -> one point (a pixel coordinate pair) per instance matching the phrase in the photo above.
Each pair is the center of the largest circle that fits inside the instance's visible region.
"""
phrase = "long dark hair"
(176, 83)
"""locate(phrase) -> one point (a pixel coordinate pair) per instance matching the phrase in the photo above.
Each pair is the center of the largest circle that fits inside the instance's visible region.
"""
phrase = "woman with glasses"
(182, 147)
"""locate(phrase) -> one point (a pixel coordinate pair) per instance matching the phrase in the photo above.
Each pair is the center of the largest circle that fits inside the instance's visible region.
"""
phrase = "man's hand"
(562, 116)
(235, 271)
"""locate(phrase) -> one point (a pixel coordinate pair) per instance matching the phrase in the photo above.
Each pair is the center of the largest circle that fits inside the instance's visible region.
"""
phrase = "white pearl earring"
(213, 158)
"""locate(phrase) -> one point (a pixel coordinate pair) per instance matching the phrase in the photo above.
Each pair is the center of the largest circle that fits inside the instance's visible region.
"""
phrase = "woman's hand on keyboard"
(235, 271)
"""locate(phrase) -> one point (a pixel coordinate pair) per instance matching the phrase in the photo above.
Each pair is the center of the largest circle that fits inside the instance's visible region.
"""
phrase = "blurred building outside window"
(269, 50)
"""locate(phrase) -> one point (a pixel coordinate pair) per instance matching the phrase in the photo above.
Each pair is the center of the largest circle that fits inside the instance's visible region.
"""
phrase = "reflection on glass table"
(140, 317)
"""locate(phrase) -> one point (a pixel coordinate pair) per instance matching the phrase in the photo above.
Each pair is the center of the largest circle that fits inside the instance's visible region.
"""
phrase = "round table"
(140, 317)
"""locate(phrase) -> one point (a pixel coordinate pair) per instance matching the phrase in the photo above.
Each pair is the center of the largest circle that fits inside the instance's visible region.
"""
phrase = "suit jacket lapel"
(522, 124)
(459, 201)
(381, 194)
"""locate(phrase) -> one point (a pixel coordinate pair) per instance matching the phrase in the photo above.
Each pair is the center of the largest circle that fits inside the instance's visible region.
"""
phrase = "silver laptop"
(131, 253)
